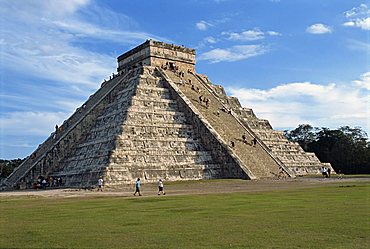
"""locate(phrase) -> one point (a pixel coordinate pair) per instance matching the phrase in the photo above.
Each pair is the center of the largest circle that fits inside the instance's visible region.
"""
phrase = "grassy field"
(335, 216)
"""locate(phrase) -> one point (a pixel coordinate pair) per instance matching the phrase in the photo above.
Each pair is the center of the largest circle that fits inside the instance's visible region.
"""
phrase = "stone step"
(145, 87)
(144, 100)
(151, 131)
(141, 143)
(156, 152)
(167, 117)
(160, 165)
(165, 159)
(124, 139)
(140, 94)
(137, 111)
(304, 164)
(159, 125)
(154, 108)
(295, 159)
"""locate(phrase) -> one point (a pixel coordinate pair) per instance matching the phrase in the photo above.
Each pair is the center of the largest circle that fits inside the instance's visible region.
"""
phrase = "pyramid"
(157, 118)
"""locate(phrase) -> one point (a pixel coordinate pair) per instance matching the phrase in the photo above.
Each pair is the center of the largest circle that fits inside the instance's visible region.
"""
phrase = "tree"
(304, 134)
(346, 148)
(7, 166)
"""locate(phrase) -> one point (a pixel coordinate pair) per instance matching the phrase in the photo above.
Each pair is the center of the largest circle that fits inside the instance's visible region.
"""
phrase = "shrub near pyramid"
(157, 118)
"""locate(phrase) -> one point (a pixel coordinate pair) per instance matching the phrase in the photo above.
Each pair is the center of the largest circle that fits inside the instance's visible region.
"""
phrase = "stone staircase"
(290, 154)
(140, 133)
(157, 141)
(257, 159)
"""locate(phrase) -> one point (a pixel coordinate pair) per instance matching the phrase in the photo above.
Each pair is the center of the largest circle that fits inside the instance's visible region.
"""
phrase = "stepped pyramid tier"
(289, 153)
(156, 118)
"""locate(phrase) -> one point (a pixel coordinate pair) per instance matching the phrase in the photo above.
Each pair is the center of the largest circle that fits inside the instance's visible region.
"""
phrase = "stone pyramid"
(157, 118)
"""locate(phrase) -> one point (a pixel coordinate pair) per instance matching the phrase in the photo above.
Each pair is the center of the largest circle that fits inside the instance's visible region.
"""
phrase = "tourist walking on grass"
(324, 172)
(100, 184)
(137, 187)
(160, 187)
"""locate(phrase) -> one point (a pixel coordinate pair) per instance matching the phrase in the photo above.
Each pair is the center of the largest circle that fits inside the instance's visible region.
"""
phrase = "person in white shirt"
(324, 172)
(160, 187)
(100, 184)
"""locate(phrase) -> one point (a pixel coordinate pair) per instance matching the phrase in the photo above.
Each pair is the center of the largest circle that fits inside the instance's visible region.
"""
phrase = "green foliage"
(324, 217)
(7, 166)
(304, 134)
(346, 148)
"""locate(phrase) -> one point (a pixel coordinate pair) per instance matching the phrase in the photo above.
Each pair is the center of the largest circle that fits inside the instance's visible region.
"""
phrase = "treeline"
(346, 148)
(7, 166)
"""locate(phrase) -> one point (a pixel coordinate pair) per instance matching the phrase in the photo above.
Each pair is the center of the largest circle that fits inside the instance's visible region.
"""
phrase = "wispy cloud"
(319, 28)
(360, 23)
(249, 35)
(273, 33)
(49, 44)
(45, 42)
(358, 17)
(210, 39)
(203, 25)
(234, 53)
(358, 45)
(26, 123)
(329, 105)
(364, 82)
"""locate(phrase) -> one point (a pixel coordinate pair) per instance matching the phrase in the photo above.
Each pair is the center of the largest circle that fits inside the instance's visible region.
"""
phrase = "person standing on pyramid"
(137, 187)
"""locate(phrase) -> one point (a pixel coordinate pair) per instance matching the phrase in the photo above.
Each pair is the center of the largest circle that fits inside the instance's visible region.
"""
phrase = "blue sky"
(292, 61)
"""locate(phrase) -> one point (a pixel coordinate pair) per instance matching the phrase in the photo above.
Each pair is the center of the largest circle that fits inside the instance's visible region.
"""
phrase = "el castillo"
(156, 117)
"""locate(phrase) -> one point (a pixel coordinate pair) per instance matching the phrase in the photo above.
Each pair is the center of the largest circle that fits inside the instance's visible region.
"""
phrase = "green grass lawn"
(334, 216)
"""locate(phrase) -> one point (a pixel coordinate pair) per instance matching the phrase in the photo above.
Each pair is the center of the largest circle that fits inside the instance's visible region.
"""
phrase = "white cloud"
(318, 28)
(273, 33)
(349, 24)
(44, 44)
(358, 17)
(203, 25)
(234, 53)
(210, 39)
(27, 123)
(361, 10)
(249, 35)
(363, 23)
(364, 82)
(331, 105)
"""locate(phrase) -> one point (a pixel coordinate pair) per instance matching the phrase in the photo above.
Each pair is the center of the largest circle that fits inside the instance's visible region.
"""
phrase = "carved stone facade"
(156, 119)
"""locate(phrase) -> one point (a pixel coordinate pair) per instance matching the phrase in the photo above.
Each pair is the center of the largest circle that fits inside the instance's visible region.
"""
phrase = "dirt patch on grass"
(193, 187)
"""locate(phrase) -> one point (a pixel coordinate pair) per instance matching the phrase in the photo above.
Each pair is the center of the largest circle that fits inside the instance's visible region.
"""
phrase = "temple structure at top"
(158, 54)
(158, 118)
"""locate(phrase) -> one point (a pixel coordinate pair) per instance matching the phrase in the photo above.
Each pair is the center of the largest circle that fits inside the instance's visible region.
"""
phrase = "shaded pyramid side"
(91, 158)
(51, 155)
